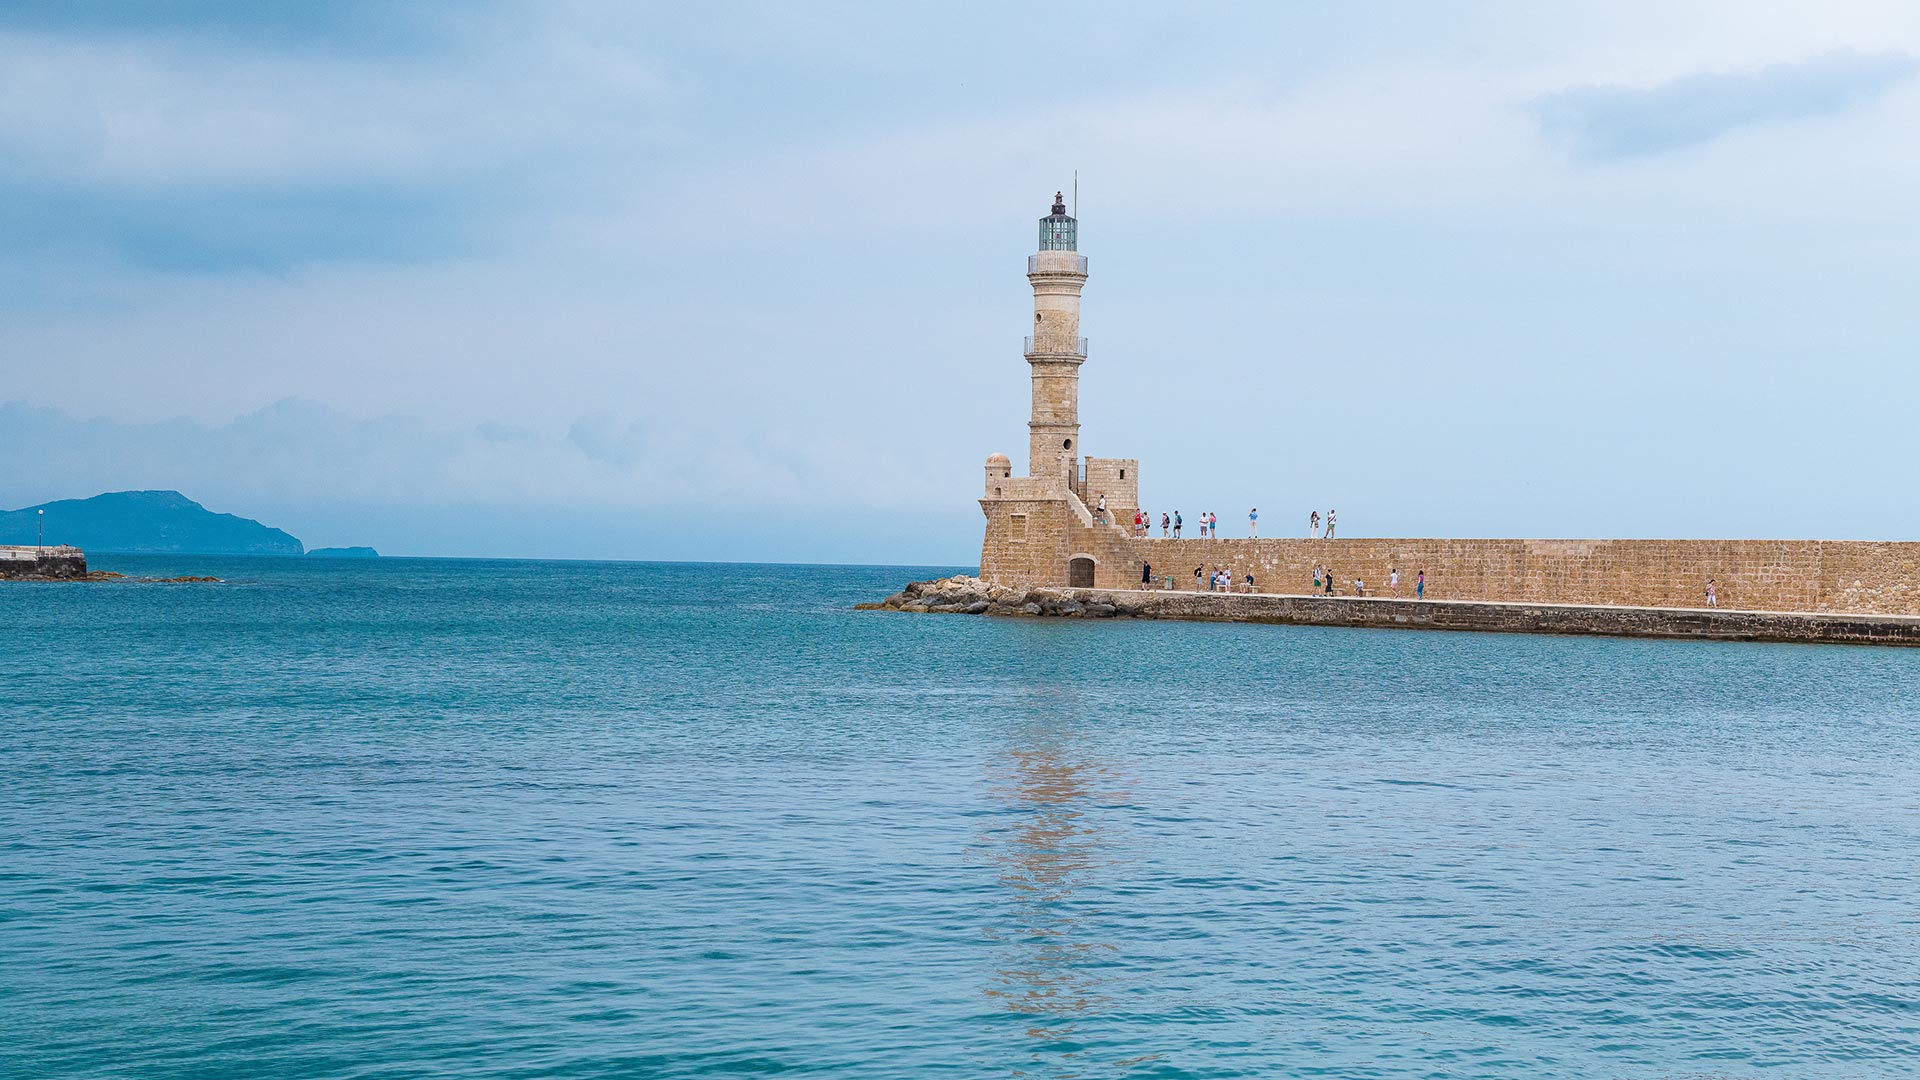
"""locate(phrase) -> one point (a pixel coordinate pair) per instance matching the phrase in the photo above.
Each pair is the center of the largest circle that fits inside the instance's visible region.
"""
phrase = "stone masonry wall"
(1026, 540)
(1116, 478)
(1867, 577)
(42, 562)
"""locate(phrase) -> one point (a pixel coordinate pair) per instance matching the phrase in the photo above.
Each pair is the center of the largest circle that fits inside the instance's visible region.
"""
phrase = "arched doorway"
(1080, 573)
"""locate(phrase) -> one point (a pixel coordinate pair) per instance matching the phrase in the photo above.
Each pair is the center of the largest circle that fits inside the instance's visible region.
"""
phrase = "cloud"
(301, 451)
(1601, 123)
(204, 150)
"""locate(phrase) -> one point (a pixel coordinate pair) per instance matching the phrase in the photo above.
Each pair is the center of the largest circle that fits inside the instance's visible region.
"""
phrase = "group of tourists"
(1221, 580)
(1323, 582)
(1173, 523)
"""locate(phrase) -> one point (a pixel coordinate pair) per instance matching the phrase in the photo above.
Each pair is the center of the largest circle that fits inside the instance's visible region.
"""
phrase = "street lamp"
(43, 527)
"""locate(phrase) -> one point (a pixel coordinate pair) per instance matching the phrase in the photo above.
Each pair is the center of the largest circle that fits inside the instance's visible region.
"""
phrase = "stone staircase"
(1117, 562)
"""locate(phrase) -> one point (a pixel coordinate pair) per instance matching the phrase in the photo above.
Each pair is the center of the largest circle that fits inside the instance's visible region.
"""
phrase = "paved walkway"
(1434, 613)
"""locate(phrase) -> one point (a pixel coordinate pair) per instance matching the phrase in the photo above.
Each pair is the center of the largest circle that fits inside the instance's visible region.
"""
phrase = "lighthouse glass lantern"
(1058, 232)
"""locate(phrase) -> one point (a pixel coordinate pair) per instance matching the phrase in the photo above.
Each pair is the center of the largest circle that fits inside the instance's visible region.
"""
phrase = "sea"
(406, 818)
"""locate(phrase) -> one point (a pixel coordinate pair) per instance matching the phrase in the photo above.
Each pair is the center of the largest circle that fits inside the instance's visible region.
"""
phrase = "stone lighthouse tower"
(1047, 528)
(1056, 350)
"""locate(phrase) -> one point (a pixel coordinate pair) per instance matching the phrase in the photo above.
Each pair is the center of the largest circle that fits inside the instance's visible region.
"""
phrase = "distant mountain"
(345, 553)
(164, 522)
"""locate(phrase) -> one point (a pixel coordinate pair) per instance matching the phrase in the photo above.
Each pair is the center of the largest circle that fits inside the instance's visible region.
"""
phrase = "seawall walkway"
(1721, 624)
(971, 596)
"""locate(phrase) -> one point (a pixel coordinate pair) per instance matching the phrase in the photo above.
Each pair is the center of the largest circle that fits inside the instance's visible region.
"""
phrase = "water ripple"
(449, 819)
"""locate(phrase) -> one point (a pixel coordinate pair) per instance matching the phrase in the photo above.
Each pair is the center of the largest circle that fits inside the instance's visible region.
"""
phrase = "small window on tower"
(1123, 474)
(1067, 445)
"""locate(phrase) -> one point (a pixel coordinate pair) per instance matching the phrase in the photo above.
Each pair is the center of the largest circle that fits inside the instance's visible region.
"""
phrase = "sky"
(746, 281)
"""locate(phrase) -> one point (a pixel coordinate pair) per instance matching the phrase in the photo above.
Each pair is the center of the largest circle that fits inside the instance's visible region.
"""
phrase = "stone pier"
(973, 596)
(42, 562)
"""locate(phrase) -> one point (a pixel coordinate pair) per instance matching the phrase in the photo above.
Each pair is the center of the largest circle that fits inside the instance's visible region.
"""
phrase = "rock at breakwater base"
(963, 595)
(111, 575)
(972, 596)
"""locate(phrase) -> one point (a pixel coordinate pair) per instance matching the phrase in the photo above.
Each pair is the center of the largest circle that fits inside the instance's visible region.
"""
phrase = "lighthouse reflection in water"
(1058, 856)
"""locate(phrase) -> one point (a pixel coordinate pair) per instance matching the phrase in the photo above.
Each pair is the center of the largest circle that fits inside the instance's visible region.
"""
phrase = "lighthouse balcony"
(1056, 347)
(1057, 262)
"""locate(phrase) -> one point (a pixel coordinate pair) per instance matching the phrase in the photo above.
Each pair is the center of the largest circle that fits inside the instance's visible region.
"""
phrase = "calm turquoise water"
(465, 819)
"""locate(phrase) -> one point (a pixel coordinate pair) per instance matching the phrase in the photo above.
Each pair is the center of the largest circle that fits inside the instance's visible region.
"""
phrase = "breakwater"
(972, 596)
(42, 562)
(1849, 576)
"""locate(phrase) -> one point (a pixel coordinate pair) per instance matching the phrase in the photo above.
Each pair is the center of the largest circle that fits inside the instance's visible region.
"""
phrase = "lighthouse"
(1046, 528)
(1055, 350)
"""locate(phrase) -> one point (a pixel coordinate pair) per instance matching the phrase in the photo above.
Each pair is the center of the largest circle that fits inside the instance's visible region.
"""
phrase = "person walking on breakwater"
(1393, 581)
(1253, 523)
(1213, 525)
(1329, 535)
(1176, 524)
(1329, 581)
(1313, 525)
(1712, 600)
(1420, 586)
(1146, 575)
(1316, 572)
(1197, 575)
(1163, 524)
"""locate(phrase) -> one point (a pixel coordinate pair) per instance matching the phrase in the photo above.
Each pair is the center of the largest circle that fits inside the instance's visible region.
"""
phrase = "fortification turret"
(999, 471)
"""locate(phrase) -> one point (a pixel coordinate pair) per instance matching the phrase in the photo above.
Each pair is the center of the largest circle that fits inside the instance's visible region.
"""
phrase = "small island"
(343, 553)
